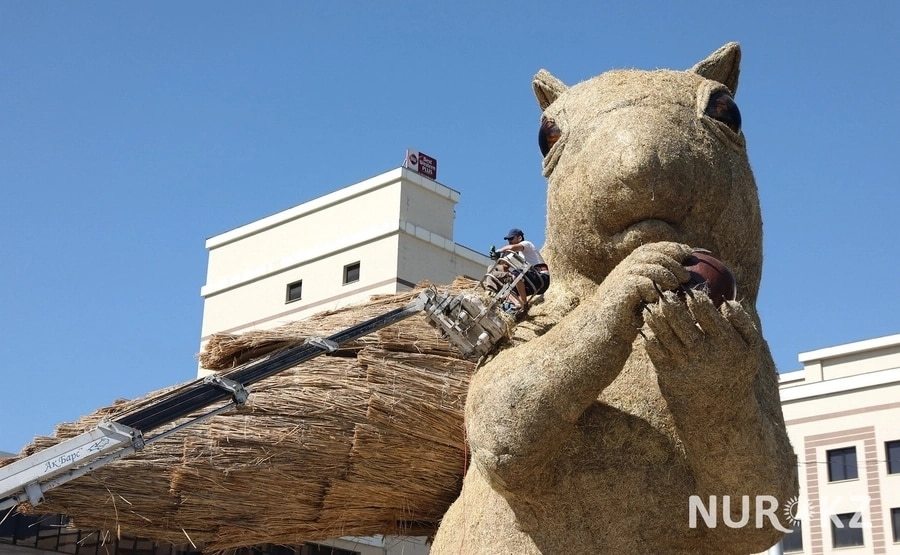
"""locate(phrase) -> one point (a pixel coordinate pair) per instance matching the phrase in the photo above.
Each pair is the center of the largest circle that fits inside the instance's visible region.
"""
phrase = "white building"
(842, 412)
(382, 235)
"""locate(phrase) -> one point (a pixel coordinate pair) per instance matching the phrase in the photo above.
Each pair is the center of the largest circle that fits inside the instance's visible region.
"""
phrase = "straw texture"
(366, 441)
(616, 400)
(623, 396)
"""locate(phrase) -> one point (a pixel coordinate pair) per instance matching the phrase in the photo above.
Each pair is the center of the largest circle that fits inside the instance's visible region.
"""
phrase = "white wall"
(263, 303)
(397, 225)
(381, 545)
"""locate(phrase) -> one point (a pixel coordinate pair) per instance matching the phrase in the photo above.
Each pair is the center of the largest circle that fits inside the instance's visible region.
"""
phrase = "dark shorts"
(535, 282)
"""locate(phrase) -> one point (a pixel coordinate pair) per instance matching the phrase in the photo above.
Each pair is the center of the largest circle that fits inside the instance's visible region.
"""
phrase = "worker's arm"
(507, 248)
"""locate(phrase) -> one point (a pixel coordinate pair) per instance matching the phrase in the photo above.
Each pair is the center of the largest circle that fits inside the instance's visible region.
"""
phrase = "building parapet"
(318, 251)
(382, 180)
(847, 384)
(850, 348)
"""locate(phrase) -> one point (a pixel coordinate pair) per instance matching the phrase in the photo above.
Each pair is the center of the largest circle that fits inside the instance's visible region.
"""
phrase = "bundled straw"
(367, 441)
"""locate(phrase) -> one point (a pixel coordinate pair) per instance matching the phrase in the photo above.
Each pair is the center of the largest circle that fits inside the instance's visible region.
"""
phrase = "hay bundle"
(368, 440)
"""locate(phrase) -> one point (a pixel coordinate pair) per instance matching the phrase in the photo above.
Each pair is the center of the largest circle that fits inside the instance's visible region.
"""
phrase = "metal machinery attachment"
(470, 321)
(466, 321)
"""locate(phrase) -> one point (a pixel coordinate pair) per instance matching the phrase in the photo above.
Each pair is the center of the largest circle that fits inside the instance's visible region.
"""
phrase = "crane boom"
(467, 321)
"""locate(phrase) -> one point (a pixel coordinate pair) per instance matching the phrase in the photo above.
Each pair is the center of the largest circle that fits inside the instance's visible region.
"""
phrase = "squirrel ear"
(547, 88)
(723, 66)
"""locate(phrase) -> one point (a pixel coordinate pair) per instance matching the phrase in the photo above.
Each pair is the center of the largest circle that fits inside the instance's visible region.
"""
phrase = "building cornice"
(310, 306)
(319, 251)
(850, 348)
(791, 377)
(840, 385)
(373, 183)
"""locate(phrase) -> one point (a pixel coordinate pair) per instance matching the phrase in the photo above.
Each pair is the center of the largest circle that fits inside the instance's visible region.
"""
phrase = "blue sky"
(131, 132)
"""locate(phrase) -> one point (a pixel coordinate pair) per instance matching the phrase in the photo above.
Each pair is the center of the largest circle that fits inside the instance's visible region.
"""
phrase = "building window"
(895, 523)
(892, 452)
(294, 291)
(849, 532)
(351, 273)
(793, 540)
(842, 464)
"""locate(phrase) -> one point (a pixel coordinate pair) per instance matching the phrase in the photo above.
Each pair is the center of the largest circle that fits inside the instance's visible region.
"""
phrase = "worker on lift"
(537, 278)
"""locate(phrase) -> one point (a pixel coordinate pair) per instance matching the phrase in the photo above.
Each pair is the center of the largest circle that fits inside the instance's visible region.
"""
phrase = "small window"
(351, 273)
(294, 291)
(842, 464)
(793, 540)
(895, 523)
(892, 454)
(846, 530)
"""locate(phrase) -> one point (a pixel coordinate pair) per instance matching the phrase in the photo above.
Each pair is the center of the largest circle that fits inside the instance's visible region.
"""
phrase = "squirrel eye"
(722, 107)
(548, 135)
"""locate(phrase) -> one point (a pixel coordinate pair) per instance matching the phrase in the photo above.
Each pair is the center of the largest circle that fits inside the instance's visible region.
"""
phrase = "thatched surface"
(369, 441)
(591, 437)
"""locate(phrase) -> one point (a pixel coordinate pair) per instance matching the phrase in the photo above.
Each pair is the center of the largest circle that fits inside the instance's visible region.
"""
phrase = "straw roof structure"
(368, 440)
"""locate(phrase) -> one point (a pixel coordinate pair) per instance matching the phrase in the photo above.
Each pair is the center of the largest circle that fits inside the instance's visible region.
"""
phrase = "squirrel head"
(633, 157)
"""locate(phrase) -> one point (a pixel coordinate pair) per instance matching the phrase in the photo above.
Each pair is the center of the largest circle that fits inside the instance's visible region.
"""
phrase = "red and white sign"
(421, 163)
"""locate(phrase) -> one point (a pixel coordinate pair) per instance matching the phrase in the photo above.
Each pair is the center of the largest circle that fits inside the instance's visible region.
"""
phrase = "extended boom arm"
(471, 325)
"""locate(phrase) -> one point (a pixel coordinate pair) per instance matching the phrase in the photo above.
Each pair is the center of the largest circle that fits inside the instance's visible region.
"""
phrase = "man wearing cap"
(538, 276)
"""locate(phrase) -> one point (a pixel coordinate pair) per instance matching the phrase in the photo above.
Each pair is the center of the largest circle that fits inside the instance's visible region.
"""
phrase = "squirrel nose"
(641, 170)
(639, 162)
(649, 161)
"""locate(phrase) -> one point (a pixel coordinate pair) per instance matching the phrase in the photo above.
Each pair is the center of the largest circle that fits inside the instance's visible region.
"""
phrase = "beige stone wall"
(851, 398)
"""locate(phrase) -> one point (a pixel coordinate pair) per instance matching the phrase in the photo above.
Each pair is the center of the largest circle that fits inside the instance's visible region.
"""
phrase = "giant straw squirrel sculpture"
(591, 437)
(588, 436)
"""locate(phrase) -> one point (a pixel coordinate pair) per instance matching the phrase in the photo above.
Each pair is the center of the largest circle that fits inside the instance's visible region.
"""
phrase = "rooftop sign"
(421, 163)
